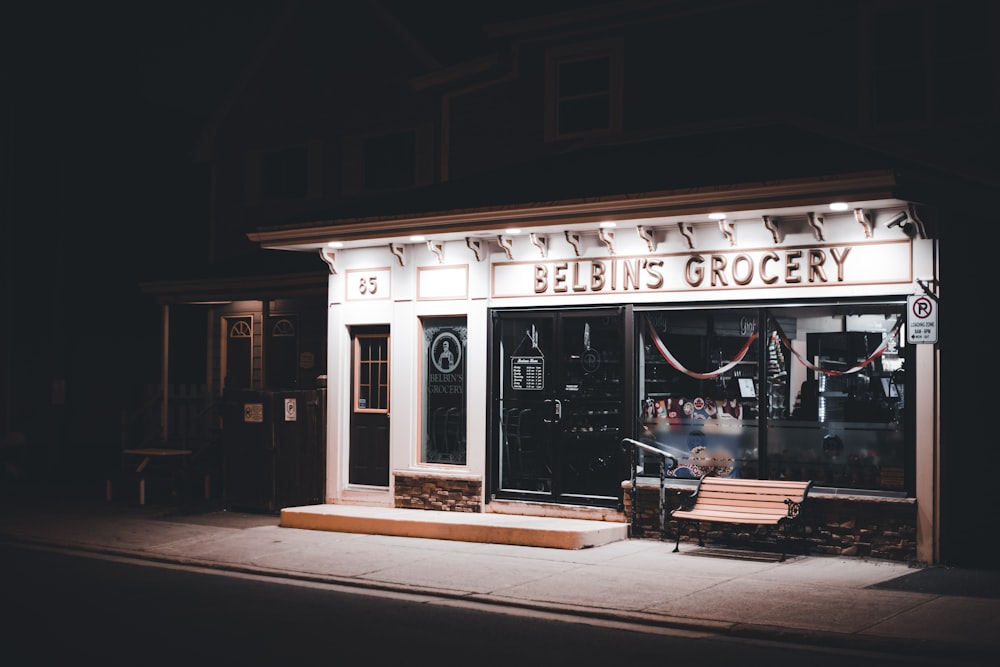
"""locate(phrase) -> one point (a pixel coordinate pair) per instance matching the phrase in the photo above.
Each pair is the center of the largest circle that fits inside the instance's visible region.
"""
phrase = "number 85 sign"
(367, 284)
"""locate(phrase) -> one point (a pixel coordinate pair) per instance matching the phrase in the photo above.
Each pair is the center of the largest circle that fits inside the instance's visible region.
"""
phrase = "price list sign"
(527, 373)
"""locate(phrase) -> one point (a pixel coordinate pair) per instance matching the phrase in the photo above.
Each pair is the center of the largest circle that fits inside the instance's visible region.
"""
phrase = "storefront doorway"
(369, 449)
(562, 393)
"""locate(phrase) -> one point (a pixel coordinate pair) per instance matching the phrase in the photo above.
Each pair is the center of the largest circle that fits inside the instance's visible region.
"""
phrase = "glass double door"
(560, 398)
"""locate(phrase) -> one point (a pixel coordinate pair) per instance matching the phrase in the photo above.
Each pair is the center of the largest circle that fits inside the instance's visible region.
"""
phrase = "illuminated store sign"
(815, 266)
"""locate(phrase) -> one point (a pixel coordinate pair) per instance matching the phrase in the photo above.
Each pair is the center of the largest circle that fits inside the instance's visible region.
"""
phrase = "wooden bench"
(742, 501)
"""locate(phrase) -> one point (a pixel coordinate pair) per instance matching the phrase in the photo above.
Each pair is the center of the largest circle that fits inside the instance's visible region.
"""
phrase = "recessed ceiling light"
(607, 224)
(417, 238)
(839, 206)
(717, 216)
(335, 244)
(512, 230)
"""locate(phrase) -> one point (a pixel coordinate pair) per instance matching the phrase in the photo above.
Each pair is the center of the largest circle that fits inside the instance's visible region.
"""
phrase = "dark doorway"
(368, 458)
(560, 396)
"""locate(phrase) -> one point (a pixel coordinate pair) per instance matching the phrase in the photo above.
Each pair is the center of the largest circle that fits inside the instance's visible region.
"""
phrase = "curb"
(897, 647)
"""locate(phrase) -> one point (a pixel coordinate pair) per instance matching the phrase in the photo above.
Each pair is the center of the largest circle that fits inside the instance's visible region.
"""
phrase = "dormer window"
(390, 161)
(286, 173)
(393, 159)
(583, 90)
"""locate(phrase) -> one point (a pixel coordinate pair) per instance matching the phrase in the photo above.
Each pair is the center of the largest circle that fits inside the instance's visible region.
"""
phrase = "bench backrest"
(749, 495)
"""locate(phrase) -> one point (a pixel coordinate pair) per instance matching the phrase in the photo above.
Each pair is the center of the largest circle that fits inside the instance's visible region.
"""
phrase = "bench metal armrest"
(688, 499)
(794, 507)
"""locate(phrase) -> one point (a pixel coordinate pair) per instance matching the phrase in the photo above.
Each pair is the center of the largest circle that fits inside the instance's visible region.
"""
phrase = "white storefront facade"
(494, 360)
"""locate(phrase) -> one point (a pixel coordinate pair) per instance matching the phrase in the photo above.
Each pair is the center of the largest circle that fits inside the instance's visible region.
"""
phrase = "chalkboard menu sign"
(527, 373)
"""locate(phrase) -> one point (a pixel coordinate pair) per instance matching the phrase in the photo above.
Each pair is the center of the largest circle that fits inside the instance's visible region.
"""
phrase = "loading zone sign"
(921, 319)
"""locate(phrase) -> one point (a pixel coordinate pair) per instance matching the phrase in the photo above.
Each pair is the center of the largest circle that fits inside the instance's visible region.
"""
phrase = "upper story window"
(286, 173)
(388, 160)
(583, 90)
(931, 62)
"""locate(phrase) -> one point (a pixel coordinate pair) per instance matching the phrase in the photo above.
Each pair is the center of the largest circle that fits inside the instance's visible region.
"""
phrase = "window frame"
(613, 49)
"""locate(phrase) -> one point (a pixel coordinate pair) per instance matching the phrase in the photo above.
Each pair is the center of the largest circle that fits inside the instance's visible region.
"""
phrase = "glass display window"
(801, 393)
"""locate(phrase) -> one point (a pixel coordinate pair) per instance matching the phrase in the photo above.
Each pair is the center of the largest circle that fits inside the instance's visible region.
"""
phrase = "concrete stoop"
(492, 528)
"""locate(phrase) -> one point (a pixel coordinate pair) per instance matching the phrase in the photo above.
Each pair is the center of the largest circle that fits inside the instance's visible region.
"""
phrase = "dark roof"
(745, 155)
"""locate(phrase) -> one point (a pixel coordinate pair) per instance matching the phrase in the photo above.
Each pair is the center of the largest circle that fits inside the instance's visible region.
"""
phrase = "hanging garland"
(854, 369)
(665, 353)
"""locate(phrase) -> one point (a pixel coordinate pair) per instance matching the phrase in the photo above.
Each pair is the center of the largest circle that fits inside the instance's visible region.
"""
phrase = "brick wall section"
(436, 492)
(833, 525)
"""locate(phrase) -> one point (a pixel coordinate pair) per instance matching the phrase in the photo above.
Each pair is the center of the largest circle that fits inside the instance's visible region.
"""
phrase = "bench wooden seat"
(742, 501)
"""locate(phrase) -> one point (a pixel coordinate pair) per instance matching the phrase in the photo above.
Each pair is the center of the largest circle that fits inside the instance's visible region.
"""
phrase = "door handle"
(556, 411)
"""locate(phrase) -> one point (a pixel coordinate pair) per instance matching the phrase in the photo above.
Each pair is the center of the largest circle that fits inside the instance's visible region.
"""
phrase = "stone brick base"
(438, 492)
(837, 525)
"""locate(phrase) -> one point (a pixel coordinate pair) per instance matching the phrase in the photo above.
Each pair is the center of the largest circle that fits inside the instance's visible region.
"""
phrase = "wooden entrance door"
(368, 455)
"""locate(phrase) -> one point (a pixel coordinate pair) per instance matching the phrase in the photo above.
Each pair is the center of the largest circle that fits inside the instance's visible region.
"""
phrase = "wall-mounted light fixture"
(898, 220)
(908, 222)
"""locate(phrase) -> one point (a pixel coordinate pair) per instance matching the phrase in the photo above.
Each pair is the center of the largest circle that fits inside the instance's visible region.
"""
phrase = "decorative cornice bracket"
(865, 220)
(647, 235)
(816, 222)
(727, 229)
(507, 245)
(772, 226)
(540, 242)
(437, 249)
(476, 246)
(687, 231)
(329, 257)
(574, 240)
(607, 237)
(398, 251)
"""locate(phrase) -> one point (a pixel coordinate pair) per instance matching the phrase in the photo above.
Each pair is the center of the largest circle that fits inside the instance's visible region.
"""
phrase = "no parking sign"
(921, 319)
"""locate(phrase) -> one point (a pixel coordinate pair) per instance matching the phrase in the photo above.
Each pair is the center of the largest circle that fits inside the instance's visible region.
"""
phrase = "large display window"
(799, 392)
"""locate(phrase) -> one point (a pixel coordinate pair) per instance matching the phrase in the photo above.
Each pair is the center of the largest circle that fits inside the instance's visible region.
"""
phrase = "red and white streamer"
(670, 359)
(665, 353)
(854, 369)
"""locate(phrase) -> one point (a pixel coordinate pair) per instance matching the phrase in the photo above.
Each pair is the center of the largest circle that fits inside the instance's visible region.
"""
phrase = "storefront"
(781, 331)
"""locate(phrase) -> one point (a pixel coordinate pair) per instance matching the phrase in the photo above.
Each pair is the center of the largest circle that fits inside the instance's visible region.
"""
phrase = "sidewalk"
(932, 612)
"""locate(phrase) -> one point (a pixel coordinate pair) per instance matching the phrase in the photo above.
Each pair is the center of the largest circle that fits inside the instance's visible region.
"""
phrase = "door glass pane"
(591, 399)
(372, 373)
(526, 412)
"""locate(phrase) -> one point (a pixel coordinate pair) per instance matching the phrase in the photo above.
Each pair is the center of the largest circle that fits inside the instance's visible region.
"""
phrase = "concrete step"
(492, 528)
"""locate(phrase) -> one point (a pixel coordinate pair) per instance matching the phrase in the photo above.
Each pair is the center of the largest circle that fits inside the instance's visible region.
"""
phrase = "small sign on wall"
(291, 409)
(253, 413)
(921, 319)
